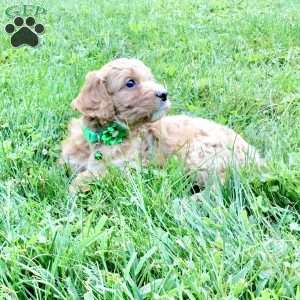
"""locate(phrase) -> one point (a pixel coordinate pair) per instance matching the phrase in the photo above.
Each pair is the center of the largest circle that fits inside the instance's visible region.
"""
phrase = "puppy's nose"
(162, 95)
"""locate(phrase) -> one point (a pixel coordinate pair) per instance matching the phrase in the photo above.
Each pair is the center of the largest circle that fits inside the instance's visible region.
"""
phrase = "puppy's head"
(123, 89)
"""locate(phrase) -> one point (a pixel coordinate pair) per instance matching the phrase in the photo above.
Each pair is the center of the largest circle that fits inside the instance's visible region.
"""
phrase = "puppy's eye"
(130, 83)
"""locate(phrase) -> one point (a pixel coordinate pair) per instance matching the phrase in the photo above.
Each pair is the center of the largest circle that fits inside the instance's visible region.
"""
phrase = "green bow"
(111, 134)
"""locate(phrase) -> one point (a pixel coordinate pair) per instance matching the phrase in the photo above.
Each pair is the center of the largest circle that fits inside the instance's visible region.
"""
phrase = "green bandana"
(111, 134)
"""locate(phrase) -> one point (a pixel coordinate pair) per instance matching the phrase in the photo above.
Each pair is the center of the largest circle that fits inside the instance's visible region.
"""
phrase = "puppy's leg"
(81, 182)
(95, 169)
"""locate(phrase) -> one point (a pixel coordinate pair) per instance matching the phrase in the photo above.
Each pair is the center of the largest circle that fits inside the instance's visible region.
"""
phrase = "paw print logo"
(24, 33)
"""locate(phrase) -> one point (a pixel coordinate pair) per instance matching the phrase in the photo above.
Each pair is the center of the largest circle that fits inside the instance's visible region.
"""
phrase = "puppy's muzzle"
(163, 95)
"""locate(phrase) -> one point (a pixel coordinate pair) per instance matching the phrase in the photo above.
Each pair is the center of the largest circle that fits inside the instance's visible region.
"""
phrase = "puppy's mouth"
(163, 108)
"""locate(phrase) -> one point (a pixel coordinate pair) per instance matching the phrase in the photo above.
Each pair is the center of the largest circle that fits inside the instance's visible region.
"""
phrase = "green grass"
(235, 62)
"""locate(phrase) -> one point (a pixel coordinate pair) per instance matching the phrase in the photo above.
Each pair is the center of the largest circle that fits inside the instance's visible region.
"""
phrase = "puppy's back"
(197, 135)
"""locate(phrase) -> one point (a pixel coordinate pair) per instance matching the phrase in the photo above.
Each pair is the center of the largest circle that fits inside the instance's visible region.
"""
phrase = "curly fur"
(203, 145)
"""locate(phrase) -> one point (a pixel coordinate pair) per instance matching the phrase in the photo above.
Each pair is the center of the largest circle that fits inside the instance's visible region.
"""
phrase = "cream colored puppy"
(123, 123)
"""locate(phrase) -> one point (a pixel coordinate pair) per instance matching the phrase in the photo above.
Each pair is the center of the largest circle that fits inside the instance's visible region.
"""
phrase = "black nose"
(162, 95)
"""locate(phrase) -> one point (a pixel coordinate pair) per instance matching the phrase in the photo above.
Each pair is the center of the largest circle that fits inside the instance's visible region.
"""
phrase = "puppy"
(123, 123)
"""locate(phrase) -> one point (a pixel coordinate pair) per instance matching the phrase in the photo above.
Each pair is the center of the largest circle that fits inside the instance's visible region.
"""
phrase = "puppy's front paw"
(81, 182)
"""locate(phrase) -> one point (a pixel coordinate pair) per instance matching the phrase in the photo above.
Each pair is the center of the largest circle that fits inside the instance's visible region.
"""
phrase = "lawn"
(138, 235)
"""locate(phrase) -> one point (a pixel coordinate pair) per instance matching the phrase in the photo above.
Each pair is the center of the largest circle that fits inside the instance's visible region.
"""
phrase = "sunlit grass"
(139, 235)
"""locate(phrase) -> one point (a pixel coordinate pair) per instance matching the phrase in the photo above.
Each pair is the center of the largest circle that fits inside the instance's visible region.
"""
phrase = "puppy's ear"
(94, 100)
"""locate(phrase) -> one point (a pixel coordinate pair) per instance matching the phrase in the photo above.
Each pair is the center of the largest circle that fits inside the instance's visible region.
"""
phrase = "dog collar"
(112, 133)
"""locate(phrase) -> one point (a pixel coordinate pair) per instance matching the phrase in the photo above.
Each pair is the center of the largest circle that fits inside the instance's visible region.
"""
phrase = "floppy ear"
(94, 100)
